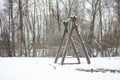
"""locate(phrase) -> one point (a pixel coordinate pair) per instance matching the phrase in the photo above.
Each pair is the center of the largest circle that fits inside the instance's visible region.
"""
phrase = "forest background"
(34, 28)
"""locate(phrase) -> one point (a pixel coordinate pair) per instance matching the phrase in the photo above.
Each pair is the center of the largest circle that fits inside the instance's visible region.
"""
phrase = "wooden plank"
(57, 55)
(73, 44)
(66, 46)
(83, 45)
(65, 31)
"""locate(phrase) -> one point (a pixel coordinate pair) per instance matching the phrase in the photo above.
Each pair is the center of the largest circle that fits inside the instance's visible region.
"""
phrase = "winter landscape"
(59, 39)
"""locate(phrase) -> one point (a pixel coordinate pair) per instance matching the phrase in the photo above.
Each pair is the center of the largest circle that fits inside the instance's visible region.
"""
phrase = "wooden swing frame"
(70, 25)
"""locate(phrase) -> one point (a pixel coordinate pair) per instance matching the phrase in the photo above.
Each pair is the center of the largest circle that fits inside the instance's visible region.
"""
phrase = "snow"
(45, 69)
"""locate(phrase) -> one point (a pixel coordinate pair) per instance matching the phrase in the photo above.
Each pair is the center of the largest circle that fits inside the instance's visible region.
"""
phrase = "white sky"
(1, 3)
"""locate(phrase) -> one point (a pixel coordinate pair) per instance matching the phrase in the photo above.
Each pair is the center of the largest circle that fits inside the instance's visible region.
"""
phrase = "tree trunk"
(34, 35)
(58, 16)
(13, 30)
(91, 33)
(21, 27)
(101, 37)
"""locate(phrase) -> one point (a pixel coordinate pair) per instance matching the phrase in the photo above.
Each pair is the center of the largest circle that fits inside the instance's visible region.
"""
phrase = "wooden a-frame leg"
(57, 55)
(83, 45)
(66, 46)
(75, 50)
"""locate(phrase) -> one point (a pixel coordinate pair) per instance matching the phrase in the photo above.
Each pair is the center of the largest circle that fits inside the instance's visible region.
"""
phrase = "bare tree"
(58, 15)
(21, 26)
(91, 36)
(12, 28)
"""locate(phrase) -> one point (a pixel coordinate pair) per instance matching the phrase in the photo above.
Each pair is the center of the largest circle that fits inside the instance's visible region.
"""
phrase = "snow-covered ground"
(45, 69)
